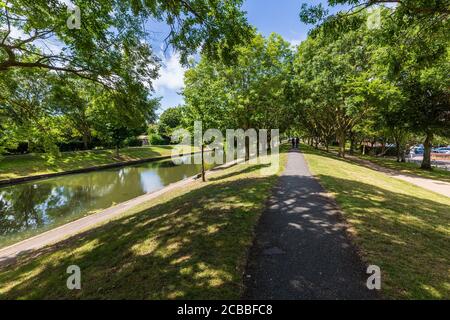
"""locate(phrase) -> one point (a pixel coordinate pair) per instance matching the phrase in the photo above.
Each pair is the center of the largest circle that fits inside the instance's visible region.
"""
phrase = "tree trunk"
(341, 138)
(398, 149)
(203, 163)
(85, 141)
(117, 151)
(352, 144)
(247, 149)
(372, 149)
(426, 163)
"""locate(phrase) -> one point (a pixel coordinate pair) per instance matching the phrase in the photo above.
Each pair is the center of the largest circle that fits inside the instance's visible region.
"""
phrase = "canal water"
(30, 208)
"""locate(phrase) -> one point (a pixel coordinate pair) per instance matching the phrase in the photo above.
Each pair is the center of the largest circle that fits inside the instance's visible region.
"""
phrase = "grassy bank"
(402, 228)
(402, 167)
(36, 164)
(189, 244)
(410, 168)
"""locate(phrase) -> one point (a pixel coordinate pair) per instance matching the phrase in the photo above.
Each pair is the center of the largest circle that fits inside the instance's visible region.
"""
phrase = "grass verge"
(400, 227)
(410, 168)
(402, 167)
(35, 164)
(189, 244)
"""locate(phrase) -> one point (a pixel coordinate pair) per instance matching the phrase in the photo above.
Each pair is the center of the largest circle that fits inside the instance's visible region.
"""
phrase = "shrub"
(157, 140)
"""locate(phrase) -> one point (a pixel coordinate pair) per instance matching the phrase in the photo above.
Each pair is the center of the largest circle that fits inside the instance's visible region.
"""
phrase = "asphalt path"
(302, 250)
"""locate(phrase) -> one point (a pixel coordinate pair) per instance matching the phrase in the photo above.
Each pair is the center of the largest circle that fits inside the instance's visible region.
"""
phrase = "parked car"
(418, 150)
(443, 150)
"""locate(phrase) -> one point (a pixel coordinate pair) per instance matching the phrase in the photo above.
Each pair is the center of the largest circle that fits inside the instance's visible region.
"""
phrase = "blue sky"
(280, 16)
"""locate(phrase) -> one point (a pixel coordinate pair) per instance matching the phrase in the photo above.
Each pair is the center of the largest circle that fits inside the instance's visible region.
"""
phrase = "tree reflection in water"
(30, 208)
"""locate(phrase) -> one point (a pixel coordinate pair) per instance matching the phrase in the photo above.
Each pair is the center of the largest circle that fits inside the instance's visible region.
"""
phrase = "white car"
(443, 150)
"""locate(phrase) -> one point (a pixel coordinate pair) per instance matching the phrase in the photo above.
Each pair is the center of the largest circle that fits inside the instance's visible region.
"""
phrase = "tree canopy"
(399, 78)
(351, 80)
(96, 79)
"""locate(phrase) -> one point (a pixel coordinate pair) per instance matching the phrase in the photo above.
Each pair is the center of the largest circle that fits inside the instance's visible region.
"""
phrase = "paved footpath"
(301, 249)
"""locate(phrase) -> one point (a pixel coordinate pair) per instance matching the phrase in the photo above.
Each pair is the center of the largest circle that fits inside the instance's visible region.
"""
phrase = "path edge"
(339, 213)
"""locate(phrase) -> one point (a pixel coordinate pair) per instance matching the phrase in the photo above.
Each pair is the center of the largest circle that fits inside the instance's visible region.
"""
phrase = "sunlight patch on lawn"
(145, 247)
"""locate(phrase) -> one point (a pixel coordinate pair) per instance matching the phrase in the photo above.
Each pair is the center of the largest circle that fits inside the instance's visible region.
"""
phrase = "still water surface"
(30, 208)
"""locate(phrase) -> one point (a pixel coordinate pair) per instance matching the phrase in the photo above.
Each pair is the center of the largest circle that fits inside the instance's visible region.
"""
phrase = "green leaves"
(251, 93)
(387, 81)
(313, 14)
(109, 43)
(170, 120)
(99, 77)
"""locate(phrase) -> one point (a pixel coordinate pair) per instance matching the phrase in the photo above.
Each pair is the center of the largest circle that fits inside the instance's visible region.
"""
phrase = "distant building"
(144, 139)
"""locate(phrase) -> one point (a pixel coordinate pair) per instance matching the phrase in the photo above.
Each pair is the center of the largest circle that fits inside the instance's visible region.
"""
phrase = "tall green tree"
(335, 85)
(407, 74)
(419, 67)
(206, 101)
(252, 93)
(123, 114)
(170, 120)
(71, 97)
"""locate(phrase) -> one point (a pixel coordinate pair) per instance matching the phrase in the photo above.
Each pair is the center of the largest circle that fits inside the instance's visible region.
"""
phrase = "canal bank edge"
(13, 181)
(58, 234)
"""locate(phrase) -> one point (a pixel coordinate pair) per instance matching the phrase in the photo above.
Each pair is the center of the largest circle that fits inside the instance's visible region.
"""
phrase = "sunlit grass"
(189, 244)
(400, 227)
(410, 168)
(36, 164)
(403, 167)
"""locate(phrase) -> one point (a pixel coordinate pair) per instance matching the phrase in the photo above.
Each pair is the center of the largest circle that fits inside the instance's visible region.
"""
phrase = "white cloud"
(171, 74)
(16, 33)
(295, 42)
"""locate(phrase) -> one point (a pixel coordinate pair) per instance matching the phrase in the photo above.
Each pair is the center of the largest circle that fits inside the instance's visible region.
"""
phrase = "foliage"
(170, 120)
(379, 83)
(318, 14)
(95, 82)
(157, 140)
(333, 83)
(252, 93)
(117, 116)
(107, 47)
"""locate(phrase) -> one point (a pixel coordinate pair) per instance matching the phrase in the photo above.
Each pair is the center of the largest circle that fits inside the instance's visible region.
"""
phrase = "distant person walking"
(297, 142)
(293, 142)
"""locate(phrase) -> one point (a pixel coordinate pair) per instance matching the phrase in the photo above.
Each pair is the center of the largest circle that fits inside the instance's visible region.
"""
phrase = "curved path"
(301, 249)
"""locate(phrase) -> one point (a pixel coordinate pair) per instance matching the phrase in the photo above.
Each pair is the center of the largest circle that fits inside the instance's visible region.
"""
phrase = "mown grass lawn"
(400, 227)
(402, 167)
(190, 244)
(35, 164)
(410, 168)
